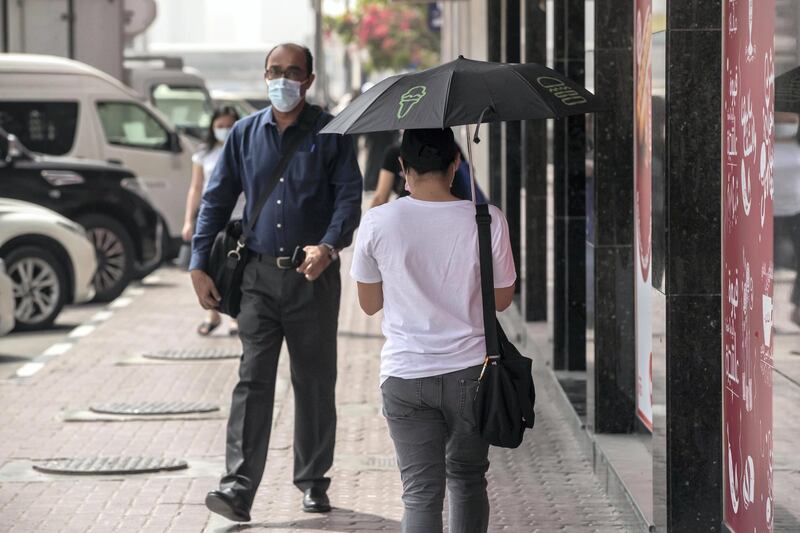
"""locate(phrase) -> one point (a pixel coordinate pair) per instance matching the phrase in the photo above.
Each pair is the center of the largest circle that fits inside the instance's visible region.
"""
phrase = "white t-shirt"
(208, 160)
(426, 256)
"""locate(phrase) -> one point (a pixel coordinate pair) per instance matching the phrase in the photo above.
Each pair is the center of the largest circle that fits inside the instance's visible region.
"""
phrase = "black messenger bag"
(506, 394)
(229, 253)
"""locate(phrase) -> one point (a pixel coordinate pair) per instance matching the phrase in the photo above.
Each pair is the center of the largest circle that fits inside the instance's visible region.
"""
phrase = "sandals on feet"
(206, 327)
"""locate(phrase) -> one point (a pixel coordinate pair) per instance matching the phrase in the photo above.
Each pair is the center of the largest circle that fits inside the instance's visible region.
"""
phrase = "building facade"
(644, 236)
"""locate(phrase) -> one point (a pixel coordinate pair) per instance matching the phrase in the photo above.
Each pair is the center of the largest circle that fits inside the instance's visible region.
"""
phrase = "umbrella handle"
(477, 139)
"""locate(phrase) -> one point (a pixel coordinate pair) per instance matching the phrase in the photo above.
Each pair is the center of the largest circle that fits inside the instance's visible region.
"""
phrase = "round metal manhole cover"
(190, 354)
(154, 408)
(110, 465)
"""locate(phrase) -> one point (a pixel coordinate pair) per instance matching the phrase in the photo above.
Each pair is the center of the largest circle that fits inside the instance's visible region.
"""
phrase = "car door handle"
(115, 161)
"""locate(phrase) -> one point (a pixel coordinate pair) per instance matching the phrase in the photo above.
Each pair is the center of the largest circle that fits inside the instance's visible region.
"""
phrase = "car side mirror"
(174, 143)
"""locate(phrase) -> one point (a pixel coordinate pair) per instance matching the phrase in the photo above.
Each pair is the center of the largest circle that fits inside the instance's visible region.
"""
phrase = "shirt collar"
(268, 118)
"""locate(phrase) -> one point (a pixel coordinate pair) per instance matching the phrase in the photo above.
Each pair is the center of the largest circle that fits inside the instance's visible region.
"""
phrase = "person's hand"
(187, 231)
(206, 291)
(318, 258)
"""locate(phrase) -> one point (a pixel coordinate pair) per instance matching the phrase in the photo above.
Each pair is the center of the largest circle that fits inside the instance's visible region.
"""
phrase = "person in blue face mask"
(291, 283)
(203, 163)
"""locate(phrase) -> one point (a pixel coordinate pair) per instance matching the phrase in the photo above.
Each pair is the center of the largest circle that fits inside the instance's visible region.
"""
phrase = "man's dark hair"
(428, 150)
(306, 51)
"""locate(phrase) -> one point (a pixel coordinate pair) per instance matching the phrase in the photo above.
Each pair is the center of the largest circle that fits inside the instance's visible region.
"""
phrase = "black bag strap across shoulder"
(484, 220)
(305, 124)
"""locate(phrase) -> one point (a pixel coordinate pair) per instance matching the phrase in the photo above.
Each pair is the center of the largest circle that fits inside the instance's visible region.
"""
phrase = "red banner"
(643, 180)
(748, 135)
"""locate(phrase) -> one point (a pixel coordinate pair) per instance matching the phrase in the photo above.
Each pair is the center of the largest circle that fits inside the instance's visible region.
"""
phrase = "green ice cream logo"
(410, 98)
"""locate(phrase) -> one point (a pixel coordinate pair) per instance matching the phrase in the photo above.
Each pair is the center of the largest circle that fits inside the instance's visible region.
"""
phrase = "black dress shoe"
(227, 503)
(316, 501)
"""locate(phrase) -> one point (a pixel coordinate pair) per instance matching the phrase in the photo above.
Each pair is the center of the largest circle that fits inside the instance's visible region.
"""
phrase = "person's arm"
(345, 178)
(384, 188)
(364, 269)
(218, 201)
(192, 201)
(505, 274)
(503, 297)
(370, 297)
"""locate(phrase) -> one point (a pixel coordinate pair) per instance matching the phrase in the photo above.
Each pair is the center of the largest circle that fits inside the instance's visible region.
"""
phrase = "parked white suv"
(61, 107)
(49, 259)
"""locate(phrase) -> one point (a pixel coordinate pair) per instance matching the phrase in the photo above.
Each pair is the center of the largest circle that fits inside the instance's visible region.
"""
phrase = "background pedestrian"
(203, 163)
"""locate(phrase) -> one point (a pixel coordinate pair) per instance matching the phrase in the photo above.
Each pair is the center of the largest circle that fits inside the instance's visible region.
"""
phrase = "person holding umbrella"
(416, 259)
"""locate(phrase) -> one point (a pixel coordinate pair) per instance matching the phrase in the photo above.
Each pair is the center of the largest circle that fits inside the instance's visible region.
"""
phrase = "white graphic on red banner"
(643, 179)
(748, 188)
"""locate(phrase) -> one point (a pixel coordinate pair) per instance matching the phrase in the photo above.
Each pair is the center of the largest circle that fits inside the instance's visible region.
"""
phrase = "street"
(547, 484)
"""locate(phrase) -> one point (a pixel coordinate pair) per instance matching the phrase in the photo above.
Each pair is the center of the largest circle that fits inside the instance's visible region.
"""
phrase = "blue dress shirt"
(317, 200)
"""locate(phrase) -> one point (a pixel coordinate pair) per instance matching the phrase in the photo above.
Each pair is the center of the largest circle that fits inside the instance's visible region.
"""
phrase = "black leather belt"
(284, 263)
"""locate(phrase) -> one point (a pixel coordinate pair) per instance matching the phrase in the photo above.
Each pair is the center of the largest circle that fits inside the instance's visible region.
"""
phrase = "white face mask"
(221, 134)
(284, 94)
(785, 130)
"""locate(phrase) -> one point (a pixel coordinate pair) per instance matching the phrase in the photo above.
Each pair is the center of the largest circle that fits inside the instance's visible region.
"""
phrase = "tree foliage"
(395, 36)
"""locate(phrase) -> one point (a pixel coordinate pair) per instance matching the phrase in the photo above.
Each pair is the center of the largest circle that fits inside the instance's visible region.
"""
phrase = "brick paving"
(545, 485)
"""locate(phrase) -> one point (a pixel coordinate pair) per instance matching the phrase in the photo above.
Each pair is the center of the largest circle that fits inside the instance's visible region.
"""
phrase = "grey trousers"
(278, 304)
(433, 428)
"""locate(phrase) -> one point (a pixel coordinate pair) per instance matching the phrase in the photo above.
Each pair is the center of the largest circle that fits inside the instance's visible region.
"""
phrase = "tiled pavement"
(545, 485)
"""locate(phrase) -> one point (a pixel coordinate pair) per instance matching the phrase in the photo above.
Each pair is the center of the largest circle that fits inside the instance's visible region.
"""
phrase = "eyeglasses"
(290, 73)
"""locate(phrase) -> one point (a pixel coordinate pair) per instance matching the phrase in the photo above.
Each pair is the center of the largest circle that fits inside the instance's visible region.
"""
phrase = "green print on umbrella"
(411, 98)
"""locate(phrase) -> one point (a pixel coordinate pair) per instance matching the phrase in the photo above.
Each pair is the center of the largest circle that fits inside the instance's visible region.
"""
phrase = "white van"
(178, 92)
(63, 107)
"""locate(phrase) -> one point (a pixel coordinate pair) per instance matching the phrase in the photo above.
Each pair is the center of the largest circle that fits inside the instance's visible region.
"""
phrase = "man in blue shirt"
(315, 205)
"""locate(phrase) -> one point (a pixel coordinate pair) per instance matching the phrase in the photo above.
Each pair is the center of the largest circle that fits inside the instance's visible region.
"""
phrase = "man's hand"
(187, 232)
(206, 291)
(318, 258)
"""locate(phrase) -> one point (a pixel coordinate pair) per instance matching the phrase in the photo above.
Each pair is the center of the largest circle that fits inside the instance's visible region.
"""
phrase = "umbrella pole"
(471, 165)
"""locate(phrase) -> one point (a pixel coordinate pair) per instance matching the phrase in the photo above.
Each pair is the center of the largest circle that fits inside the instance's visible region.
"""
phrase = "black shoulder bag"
(228, 254)
(506, 394)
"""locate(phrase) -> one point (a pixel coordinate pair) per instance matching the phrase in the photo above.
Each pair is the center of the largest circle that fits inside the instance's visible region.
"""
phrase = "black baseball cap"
(428, 150)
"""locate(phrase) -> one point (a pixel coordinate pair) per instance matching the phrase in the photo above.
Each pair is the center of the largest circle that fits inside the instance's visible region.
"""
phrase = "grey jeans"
(433, 428)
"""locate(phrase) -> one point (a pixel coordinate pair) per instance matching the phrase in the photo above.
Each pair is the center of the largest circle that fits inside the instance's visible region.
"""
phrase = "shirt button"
(280, 249)
(279, 201)
(279, 225)
(281, 180)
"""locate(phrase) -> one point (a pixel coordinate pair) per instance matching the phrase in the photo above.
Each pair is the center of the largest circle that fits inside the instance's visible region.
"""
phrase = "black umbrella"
(464, 92)
(787, 91)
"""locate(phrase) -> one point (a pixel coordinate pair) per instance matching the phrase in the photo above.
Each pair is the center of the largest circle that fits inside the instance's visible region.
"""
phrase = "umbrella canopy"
(787, 91)
(464, 92)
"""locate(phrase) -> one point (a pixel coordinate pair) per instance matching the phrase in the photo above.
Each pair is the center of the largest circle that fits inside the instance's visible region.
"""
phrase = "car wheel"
(114, 249)
(40, 287)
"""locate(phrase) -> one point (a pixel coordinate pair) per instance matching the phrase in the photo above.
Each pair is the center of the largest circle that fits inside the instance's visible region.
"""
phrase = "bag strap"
(484, 220)
(305, 124)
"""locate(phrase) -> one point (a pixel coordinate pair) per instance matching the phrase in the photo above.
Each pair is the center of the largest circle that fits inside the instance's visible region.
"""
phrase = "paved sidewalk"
(545, 485)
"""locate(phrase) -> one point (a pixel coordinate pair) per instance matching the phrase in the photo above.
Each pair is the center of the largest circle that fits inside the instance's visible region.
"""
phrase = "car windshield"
(186, 107)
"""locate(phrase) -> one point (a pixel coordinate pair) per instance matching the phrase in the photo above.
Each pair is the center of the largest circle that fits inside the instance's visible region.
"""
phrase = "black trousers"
(276, 305)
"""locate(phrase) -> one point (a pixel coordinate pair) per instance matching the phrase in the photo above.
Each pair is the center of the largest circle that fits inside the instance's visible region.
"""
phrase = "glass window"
(45, 127)
(186, 107)
(129, 124)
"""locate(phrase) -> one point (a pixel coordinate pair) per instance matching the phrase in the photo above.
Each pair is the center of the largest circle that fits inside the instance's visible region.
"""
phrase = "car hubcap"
(110, 258)
(36, 289)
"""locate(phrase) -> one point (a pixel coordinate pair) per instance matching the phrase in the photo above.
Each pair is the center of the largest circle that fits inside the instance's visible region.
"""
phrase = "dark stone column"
(691, 476)
(611, 403)
(513, 142)
(569, 153)
(494, 28)
(534, 176)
